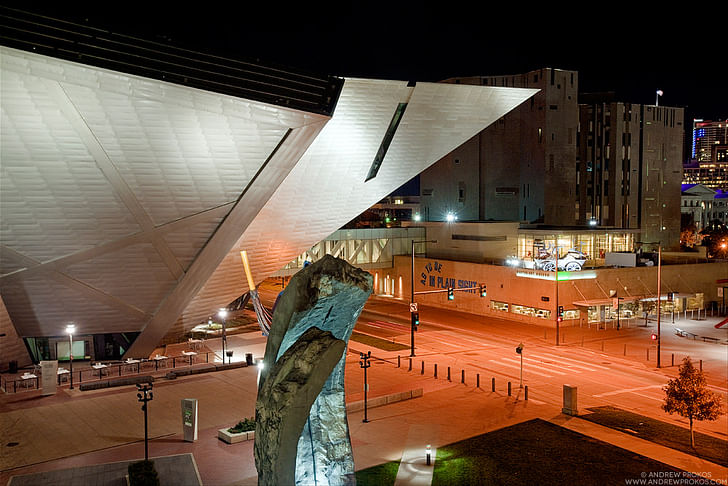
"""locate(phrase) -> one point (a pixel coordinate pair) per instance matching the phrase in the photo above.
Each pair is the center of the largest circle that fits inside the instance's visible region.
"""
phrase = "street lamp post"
(144, 396)
(70, 329)
(556, 272)
(659, 297)
(364, 363)
(412, 295)
(223, 315)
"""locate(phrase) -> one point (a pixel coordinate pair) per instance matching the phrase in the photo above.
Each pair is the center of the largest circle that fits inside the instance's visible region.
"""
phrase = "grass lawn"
(377, 342)
(542, 453)
(381, 475)
(706, 447)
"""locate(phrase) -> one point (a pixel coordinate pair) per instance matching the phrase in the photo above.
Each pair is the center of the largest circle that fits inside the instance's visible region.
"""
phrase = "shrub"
(142, 473)
(244, 425)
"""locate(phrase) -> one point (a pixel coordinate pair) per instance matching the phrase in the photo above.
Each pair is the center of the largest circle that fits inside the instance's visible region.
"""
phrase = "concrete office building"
(521, 168)
(629, 169)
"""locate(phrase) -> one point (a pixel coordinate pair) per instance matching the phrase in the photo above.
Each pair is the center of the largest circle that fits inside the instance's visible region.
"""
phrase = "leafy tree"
(688, 396)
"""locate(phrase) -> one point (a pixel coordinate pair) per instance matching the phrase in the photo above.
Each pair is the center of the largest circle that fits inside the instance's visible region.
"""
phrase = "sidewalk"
(83, 428)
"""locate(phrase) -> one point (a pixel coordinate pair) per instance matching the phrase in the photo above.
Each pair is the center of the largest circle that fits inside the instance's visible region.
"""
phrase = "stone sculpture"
(301, 434)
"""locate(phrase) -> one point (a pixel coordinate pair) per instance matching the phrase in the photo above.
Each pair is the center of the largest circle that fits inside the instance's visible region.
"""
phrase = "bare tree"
(688, 396)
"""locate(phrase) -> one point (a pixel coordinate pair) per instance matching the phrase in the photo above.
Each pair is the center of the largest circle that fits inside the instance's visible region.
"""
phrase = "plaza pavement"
(74, 429)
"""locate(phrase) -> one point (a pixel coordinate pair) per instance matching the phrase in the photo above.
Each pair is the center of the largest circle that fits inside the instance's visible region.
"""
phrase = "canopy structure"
(133, 175)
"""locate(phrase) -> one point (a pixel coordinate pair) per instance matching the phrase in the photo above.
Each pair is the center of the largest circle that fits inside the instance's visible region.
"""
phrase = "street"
(609, 367)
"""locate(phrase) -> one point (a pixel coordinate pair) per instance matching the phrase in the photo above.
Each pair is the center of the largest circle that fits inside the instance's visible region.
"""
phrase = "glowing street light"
(70, 329)
(657, 97)
(450, 217)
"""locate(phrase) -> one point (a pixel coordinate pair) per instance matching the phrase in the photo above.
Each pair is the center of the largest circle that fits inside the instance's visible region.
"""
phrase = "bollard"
(435, 370)
(648, 354)
(673, 360)
(410, 365)
(423, 368)
(509, 388)
(399, 362)
(462, 376)
(492, 384)
(525, 392)
(477, 380)
(701, 365)
(448, 374)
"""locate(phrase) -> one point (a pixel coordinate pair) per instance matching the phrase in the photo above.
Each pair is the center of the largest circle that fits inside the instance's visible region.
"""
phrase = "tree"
(688, 396)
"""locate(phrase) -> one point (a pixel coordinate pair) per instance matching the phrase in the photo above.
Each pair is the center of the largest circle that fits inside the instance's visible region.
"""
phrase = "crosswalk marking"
(560, 360)
(529, 371)
(530, 364)
(577, 362)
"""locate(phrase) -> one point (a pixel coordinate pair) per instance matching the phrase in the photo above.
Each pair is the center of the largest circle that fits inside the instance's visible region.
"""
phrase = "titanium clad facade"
(126, 199)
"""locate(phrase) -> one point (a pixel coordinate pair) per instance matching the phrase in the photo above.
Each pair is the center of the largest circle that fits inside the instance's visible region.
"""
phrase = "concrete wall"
(503, 285)
(483, 242)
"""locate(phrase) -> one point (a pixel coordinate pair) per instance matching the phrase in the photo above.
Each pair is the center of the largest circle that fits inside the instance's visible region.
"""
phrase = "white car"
(573, 261)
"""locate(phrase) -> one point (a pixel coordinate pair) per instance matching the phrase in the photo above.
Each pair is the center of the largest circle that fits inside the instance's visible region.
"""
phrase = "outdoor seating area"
(175, 356)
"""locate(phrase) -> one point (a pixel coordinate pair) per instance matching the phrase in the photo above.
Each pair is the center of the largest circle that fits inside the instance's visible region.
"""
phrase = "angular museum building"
(133, 173)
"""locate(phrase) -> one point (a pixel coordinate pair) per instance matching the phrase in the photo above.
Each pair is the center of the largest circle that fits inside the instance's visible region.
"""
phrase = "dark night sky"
(614, 46)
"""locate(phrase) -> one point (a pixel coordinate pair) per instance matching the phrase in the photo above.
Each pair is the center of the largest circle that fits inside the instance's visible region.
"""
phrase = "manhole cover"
(13, 444)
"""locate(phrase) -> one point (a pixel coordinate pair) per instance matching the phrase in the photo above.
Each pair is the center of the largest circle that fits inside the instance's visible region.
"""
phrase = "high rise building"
(629, 168)
(706, 136)
(555, 162)
(521, 168)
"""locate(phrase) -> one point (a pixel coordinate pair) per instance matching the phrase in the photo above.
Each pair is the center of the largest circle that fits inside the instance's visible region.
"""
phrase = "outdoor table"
(100, 367)
(29, 376)
(190, 354)
(60, 373)
(130, 361)
(157, 359)
(194, 343)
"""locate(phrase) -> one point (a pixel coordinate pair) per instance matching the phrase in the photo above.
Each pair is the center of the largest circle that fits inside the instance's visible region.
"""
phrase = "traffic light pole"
(412, 296)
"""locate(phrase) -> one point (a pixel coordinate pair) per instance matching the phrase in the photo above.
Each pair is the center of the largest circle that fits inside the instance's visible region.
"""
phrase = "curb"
(384, 400)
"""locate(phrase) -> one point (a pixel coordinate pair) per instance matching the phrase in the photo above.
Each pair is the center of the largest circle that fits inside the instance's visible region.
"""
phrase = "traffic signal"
(415, 319)
(483, 291)
(450, 293)
(654, 337)
(519, 349)
(560, 312)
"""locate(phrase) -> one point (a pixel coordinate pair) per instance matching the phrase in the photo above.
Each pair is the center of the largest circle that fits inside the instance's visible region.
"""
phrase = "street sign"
(413, 307)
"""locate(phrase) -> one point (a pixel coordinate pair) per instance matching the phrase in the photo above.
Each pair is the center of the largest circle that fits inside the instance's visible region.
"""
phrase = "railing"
(110, 370)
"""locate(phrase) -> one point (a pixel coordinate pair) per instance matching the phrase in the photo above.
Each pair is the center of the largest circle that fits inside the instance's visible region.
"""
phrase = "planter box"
(231, 438)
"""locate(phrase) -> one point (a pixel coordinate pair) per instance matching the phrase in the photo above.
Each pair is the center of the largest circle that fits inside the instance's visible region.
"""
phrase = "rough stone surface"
(302, 435)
